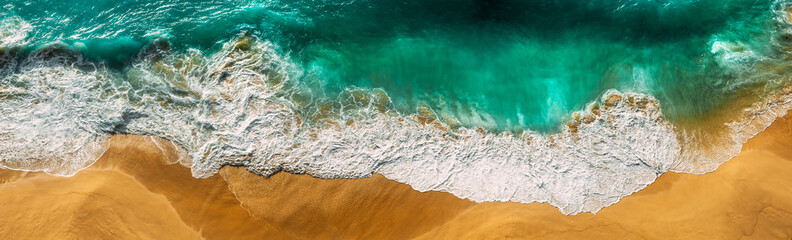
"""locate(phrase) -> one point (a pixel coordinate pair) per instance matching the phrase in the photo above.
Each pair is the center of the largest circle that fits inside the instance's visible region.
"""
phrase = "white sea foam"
(13, 31)
(50, 120)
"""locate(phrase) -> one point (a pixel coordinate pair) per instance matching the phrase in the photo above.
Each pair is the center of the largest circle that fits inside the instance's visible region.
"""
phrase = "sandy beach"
(136, 191)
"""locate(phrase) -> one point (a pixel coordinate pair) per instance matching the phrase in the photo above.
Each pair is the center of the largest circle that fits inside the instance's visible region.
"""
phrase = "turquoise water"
(497, 64)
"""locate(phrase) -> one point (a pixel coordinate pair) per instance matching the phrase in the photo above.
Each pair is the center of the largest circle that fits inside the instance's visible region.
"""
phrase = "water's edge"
(243, 106)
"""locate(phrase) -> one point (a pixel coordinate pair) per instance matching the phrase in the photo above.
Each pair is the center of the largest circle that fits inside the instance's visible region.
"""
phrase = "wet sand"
(136, 191)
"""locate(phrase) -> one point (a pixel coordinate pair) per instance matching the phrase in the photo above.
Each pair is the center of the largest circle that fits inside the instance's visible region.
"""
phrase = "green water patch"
(496, 64)
(529, 71)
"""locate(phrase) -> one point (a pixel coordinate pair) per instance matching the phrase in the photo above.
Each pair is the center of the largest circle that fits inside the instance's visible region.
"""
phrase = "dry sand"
(133, 192)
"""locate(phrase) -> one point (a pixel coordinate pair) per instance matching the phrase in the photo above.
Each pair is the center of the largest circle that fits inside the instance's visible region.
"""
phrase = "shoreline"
(618, 144)
(138, 181)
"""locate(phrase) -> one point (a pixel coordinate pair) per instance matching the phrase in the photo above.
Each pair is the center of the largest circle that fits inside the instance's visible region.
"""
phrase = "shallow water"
(495, 64)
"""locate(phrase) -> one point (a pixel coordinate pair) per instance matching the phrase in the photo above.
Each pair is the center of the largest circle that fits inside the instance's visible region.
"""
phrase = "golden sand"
(127, 194)
(133, 192)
